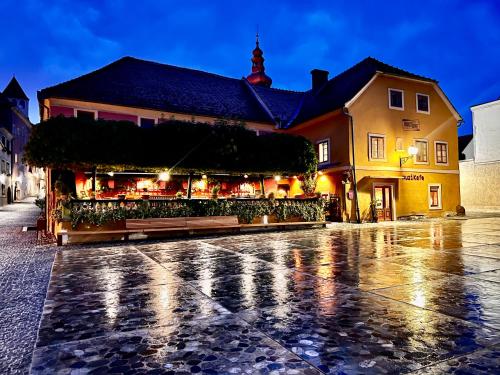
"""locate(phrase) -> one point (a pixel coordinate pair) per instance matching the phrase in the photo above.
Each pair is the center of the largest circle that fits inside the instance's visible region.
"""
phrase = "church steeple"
(258, 77)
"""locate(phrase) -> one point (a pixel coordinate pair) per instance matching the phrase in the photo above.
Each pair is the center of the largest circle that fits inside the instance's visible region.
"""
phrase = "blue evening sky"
(456, 42)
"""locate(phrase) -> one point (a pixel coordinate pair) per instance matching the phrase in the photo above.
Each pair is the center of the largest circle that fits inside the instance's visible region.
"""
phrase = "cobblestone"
(384, 299)
(24, 275)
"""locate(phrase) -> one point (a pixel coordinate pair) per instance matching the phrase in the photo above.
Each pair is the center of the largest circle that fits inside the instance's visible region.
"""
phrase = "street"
(419, 297)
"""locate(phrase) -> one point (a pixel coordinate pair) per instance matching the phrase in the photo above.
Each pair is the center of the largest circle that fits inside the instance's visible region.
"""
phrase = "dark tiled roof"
(144, 84)
(343, 87)
(14, 90)
(284, 105)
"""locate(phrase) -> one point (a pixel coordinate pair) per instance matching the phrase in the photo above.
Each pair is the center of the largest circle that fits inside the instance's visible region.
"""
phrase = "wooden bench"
(178, 226)
(158, 227)
(182, 222)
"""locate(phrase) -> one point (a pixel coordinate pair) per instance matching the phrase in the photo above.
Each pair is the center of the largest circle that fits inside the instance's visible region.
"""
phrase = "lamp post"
(412, 151)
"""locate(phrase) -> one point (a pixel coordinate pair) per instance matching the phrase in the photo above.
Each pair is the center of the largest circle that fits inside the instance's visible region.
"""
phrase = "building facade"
(480, 169)
(18, 180)
(363, 122)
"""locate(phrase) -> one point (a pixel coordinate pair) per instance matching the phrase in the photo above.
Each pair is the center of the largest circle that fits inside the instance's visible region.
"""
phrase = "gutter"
(353, 166)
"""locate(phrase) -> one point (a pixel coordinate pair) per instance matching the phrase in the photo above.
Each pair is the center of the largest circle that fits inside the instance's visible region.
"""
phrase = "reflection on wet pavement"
(391, 299)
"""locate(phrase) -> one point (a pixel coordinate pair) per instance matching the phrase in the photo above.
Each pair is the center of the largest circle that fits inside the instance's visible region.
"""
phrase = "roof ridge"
(179, 67)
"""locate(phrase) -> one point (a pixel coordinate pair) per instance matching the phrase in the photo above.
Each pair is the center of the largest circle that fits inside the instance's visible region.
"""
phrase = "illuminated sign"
(411, 125)
(413, 177)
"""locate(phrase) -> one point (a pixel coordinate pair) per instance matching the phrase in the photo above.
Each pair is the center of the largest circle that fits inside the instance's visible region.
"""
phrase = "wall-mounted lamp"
(412, 151)
(277, 178)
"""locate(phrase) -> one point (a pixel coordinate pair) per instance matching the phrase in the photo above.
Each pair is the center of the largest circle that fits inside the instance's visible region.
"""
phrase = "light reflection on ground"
(403, 298)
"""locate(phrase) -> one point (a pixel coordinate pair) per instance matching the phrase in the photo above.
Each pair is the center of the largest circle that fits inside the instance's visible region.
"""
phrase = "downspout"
(353, 166)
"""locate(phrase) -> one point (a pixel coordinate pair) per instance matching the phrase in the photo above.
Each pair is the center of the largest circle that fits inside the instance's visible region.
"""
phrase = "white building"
(480, 172)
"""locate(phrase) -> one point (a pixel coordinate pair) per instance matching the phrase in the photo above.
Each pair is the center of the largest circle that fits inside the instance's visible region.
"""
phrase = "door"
(383, 202)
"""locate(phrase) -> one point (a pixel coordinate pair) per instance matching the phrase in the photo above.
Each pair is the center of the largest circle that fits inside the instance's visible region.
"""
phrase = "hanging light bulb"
(164, 176)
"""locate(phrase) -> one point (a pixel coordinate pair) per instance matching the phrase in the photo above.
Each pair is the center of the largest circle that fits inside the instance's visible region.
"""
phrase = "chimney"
(319, 78)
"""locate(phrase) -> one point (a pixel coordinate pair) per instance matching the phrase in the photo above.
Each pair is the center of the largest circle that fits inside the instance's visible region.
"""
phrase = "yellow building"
(365, 122)
(369, 145)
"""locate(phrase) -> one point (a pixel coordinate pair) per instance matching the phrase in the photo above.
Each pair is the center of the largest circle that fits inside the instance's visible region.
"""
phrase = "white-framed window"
(422, 156)
(147, 123)
(376, 147)
(435, 197)
(441, 152)
(85, 114)
(396, 99)
(423, 103)
(323, 151)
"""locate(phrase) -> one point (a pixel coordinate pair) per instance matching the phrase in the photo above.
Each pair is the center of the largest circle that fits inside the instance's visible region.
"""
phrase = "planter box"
(273, 219)
(116, 225)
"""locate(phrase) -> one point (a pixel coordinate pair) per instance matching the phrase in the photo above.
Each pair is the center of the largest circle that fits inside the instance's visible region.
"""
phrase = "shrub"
(246, 210)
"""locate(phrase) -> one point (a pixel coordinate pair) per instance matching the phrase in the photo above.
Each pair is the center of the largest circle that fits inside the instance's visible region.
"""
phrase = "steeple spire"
(258, 77)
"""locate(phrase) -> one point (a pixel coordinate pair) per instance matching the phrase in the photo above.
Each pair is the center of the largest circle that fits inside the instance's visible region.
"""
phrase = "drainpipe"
(353, 166)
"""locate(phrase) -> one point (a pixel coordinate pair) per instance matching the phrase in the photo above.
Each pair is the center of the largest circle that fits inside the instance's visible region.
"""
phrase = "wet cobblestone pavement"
(420, 298)
(24, 276)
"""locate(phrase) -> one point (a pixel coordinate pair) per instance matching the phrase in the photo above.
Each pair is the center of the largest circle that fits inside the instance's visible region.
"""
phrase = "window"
(441, 150)
(324, 151)
(376, 146)
(396, 99)
(423, 104)
(15, 158)
(2, 169)
(422, 156)
(8, 168)
(3, 140)
(147, 123)
(435, 197)
(86, 115)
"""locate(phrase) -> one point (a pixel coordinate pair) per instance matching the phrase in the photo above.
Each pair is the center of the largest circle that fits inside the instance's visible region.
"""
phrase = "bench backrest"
(182, 222)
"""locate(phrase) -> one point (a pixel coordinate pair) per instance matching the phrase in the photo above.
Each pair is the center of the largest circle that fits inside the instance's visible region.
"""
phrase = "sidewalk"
(24, 275)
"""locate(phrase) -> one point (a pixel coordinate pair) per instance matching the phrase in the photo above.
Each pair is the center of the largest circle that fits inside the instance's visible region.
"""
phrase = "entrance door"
(383, 202)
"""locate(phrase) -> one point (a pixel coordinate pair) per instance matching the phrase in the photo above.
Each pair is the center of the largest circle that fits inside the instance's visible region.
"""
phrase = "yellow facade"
(424, 188)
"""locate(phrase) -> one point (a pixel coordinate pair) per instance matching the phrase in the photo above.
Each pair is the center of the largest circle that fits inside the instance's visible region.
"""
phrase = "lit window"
(441, 149)
(323, 151)
(376, 145)
(435, 197)
(85, 115)
(396, 99)
(147, 123)
(423, 151)
(423, 103)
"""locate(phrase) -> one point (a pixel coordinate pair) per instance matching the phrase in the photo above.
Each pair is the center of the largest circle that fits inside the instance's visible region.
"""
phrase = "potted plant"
(41, 221)
(308, 184)
(179, 195)
(215, 191)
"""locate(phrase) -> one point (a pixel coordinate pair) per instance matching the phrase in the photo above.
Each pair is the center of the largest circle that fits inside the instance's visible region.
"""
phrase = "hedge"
(246, 210)
(72, 143)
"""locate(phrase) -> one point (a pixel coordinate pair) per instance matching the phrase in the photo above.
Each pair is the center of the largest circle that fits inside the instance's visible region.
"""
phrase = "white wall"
(486, 121)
